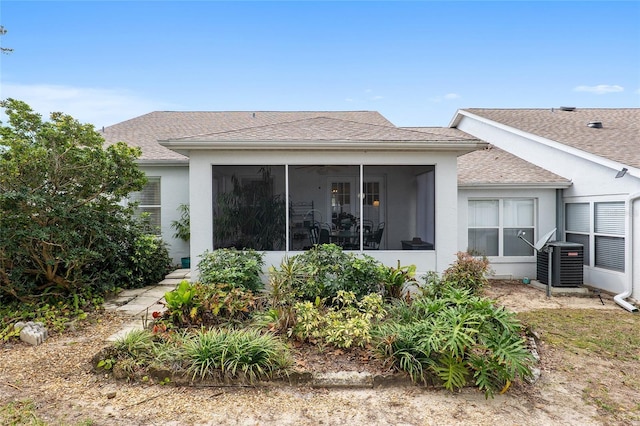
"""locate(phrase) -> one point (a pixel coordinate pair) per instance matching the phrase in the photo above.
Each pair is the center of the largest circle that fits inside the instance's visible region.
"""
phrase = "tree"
(61, 215)
(5, 50)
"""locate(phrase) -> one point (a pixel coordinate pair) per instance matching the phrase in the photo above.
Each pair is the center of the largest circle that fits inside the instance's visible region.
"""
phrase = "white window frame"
(501, 226)
(595, 231)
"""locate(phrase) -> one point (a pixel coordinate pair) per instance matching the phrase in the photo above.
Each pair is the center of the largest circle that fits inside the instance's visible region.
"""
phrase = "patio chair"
(372, 242)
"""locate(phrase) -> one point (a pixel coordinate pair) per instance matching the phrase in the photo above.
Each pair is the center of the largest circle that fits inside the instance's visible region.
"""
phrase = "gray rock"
(31, 332)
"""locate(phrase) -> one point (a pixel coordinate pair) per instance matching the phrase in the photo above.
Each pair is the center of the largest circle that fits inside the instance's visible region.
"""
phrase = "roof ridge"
(280, 123)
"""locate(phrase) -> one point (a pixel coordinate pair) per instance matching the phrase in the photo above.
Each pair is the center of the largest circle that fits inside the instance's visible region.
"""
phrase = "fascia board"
(543, 185)
(160, 162)
(342, 145)
(613, 165)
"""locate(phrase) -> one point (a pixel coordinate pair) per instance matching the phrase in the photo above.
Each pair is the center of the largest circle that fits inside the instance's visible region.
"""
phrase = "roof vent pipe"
(595, 124)
(565, 108)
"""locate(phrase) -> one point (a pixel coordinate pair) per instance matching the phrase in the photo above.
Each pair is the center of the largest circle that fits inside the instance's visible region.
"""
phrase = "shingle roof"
(618, 139)
(329, 129)
(493, 166)
(146, 130)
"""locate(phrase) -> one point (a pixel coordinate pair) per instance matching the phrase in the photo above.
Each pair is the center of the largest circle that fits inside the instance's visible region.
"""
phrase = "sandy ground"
(58, 378)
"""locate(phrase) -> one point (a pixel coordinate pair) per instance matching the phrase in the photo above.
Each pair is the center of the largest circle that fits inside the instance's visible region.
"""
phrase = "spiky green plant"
(245, 354)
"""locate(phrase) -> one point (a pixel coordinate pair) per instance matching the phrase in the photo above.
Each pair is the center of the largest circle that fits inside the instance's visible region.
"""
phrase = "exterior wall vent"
(565, 108)
(595, 124)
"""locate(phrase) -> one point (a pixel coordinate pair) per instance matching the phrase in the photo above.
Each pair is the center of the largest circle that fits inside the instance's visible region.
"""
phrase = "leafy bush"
(347, 323)
(238, 268)
(65, 230)
(325, 270)
(456, 338)
(205, 305)
(467, 272)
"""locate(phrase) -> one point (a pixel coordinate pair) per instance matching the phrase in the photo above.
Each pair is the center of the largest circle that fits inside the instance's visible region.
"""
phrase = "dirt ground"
(58, 378)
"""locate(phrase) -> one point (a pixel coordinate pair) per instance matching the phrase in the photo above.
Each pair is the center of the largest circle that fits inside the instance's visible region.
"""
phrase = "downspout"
(619, 299)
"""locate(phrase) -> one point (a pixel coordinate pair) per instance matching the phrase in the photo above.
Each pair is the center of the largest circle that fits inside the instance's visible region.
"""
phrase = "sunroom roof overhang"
(460, 147)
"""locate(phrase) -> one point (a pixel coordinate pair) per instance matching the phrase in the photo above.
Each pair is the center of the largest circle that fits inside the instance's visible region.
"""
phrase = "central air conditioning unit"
(567, 268)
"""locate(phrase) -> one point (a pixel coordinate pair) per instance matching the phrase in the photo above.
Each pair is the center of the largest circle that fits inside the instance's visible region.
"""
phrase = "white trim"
(614, 165)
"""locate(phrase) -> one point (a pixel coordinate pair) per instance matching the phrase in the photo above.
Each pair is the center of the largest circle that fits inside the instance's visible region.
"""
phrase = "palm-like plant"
(456, 338)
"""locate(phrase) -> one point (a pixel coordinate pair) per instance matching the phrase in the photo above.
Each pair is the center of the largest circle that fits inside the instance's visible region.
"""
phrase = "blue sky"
(415, 62)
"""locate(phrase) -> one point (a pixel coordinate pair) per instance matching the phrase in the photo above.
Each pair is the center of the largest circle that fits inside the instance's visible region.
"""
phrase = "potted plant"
(182, 227)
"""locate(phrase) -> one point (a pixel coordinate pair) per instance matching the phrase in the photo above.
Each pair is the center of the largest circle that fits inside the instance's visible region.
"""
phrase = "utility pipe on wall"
(619, 299)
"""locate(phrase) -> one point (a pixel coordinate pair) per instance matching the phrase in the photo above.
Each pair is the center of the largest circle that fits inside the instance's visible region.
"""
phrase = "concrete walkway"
(140, 303)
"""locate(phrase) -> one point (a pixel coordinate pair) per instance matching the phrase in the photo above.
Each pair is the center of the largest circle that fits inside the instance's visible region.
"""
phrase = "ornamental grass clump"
(235, 354)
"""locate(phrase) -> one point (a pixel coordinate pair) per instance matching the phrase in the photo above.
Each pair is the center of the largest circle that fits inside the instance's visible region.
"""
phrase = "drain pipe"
(619, 299)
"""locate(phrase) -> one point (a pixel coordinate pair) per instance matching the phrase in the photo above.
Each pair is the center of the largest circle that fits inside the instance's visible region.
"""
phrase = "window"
(609, 235)
(149, 202)
(578, 224)
(606, 234)
(493, 226)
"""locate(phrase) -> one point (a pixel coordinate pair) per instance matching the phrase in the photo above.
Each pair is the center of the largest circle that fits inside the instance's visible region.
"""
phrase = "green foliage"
(251, 216)
(64, 229)
(21, 412)
(237, 268)
(396, 280)
(455, 337)
(467, 272)
(325, 270)
(347, 323)
(245, 354)
(180, 302)
(205, 305)
(148, 261)
(182, 226)
(57, 315)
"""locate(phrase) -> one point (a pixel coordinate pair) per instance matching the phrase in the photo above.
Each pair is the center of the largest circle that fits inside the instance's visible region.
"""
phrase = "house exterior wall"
(201, 195)
(510, 267)
(174, 190)
(593, 180)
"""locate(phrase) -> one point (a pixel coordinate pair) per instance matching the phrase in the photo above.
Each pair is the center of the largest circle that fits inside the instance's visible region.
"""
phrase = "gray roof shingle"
(146, 130)
(618, 139)
(493, 166)
(329, 129)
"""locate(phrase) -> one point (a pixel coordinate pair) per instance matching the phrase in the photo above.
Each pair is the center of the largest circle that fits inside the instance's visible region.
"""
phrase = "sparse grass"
(600, 342)
(20, 413)
(609, 334)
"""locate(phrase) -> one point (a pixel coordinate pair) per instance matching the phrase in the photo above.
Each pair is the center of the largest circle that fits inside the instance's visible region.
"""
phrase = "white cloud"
(447, 97)
(377, 98)
(637, 92)
(600, 89)
(98, 106)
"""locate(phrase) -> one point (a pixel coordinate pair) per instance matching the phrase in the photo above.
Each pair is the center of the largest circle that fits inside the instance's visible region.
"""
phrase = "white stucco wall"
(200, 193)
(174, 190)
(593, 180)
(515, 267)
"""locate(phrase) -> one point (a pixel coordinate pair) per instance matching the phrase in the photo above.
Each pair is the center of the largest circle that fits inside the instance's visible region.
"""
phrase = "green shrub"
(467, 272)
(347, 323)
(325, 270)
(60, 209)
(238, 268)
(206, 305)
(455, 338)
